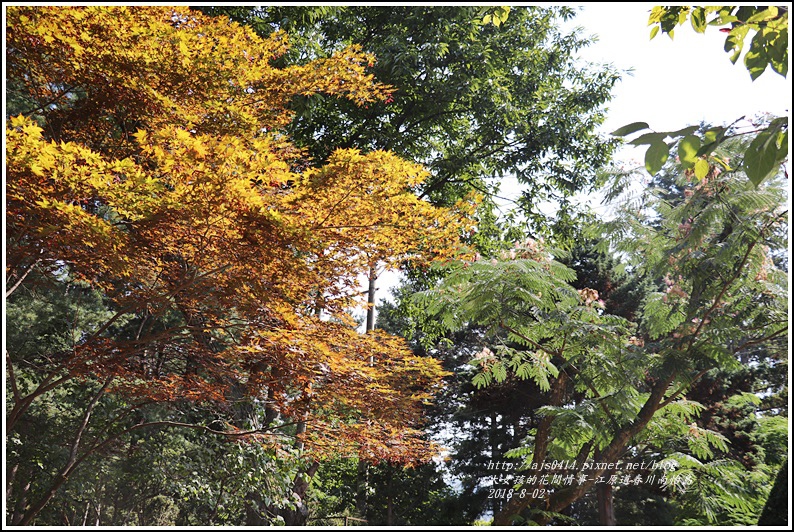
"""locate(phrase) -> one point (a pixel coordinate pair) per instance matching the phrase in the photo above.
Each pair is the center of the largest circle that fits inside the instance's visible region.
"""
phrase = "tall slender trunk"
(10, 476)
(87, 510)
(390, 499)
(362, 470)
(373, 276)
(22, 502)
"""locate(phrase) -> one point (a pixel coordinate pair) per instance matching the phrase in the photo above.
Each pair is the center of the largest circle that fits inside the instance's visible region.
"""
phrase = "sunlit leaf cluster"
(155, 170)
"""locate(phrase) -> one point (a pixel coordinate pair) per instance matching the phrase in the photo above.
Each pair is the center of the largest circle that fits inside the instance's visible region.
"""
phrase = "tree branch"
(12, 378)
(24, 403)
(684, 387)
(22, 277)
(89, 409)
(755, 341)
(43, 107)
(530, 340)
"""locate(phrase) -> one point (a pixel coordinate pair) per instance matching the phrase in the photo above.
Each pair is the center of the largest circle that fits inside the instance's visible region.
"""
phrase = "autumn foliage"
(152, 166)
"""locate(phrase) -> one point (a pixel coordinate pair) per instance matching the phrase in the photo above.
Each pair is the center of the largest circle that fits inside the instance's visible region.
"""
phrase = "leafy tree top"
(479, 94)
(158, 172)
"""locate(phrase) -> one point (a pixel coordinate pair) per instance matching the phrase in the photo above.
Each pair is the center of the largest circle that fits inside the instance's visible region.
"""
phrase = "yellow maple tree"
(152, 165)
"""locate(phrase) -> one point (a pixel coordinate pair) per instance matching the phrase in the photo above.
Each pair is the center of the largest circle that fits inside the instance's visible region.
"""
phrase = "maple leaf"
(201, 216)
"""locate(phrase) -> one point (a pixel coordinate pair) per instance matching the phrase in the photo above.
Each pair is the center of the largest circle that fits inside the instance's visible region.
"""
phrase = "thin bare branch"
(22, 277)
(12, 378)
(89, 409)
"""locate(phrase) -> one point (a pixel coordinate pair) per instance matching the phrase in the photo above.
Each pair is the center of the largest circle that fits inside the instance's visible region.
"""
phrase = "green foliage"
(538, 325)
(699, 148)
(621, 291)
(769, 47)
(776, 508)
(661, 316)
(481, 93)
(656, 156)
(53, 320)
(767, 151)
(529, 313)
(398, 496)
(146, 478)
(496, 16)
(694, 244)
(772, 436)
(719, 492)
(687, 279)
(769, 24)
(705, 244)
(472, 423)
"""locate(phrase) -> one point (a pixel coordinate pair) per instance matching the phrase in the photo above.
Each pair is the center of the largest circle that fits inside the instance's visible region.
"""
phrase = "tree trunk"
(390, 499)
(362, 483)
(22, 502)
(371, 298)
(563, 498)
(362, 470)
(299, 515)
(775, 512)
(73, 461)
(87, 510)
(606, 509)
(10, 476)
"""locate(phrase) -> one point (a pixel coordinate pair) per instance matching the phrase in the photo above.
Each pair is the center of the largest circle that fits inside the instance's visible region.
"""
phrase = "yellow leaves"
(181, 134)
(56, 186)
(20, 121)
(343, 73)
(202, 201)
(198, 149)
(36, 169)
(24, 144)
(32, 130)
(140, 136)
(77, 48)
(44, 203)
(206, 74)
(183, 49)
(364, 204)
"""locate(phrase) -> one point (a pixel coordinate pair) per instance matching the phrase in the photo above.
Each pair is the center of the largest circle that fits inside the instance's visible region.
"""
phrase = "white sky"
(673, 83)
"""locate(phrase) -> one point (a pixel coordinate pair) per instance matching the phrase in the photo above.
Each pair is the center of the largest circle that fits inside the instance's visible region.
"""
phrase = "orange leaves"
(150, 67)
(371, 442)
(369, 388)
(163, 178)
(361, 206)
